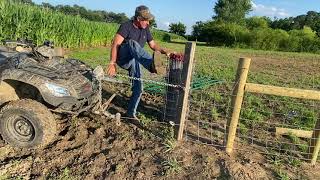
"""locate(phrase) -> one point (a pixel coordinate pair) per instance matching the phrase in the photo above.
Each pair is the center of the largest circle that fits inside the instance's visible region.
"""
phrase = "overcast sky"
(190, 11)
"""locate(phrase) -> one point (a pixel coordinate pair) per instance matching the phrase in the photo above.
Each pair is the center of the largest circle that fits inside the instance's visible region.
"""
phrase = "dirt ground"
(94, 147)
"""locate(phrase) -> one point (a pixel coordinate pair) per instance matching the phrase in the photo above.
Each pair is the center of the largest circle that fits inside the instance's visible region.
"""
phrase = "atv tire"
(27, 124)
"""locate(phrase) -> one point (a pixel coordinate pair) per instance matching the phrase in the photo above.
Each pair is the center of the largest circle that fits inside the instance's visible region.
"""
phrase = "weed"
(214, 113)
(303, 147)
(282, 175)
(146, 134)
(274, 158)
(169, 145)
(171, 166)
(144, 119)
(167, 132)
(298, 142)
(65, 174)
(294, 139)
(294, 162)
(74, 121)
(204, 125)
(4, 177)
(216, 96)
(252, 116)
(243, 129)
(120, 168)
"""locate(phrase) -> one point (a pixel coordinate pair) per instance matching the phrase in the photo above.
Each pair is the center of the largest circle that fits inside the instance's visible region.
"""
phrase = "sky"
(189, 12)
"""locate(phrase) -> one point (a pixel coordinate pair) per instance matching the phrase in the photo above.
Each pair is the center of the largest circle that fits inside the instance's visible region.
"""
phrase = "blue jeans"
(130, 56)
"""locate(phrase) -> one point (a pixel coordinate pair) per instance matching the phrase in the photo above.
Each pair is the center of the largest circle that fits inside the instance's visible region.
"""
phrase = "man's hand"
(112, 69)
(168, 54)
(156, 47)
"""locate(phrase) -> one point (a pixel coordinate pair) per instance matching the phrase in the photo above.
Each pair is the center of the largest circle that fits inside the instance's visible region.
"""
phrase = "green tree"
(225, 34)
(311, 19)
(285, 24)
(232, 11)
(97, 15)
(22, 1)
(197, 31)
(47, 5)
(116, 18)
(177, 28)
(256, 22)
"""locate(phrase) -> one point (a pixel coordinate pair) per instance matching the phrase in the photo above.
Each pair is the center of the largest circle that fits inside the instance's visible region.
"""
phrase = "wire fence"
(273, 125)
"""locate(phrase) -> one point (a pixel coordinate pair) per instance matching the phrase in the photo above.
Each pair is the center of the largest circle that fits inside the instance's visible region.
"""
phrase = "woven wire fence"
(262, 117)
(266, 122)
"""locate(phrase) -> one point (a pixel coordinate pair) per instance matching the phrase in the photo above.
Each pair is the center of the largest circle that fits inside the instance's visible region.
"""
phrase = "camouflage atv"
(36, 84)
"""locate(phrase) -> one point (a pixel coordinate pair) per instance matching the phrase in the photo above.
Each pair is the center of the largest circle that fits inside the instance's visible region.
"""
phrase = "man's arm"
(118, 39)
(154, 46)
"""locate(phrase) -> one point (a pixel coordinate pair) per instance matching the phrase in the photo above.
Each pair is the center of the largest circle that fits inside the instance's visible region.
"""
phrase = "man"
(127, 51)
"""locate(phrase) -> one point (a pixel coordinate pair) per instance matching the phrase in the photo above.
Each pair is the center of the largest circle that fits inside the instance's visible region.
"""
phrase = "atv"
(38, 83)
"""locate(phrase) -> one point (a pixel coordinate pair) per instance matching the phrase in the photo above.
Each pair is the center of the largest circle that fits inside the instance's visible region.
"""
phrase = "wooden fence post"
(177, 99)
(314, 146)
(237, 98)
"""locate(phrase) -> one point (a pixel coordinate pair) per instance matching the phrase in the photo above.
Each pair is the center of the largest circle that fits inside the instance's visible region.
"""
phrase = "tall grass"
(39, 24)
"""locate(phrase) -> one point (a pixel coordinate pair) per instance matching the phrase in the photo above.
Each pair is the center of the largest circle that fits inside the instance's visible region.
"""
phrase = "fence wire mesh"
(263, 118)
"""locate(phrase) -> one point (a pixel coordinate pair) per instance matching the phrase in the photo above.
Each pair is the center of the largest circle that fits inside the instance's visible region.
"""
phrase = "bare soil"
(94, 147)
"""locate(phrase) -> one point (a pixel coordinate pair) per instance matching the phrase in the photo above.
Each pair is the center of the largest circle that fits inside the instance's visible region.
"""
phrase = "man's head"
(143, 16)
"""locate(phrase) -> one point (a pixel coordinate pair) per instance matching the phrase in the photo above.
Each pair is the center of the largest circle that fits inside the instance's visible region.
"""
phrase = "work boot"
(131, 117)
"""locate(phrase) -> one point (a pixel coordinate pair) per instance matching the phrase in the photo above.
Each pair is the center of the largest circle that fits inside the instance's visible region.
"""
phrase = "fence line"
(281, 120)
(259, 123)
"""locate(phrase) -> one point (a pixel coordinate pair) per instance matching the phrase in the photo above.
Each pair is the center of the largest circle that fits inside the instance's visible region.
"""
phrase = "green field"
(298, 70)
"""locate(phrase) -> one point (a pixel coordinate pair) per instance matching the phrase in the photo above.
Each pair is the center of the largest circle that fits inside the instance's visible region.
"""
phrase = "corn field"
(39, 24)
(24, 21)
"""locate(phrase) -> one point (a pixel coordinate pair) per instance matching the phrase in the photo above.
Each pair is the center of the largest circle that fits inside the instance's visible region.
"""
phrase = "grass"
(4, 177)
(171, 166)
(169, 145)
(282, 175)
(92, 56)
(65, 175)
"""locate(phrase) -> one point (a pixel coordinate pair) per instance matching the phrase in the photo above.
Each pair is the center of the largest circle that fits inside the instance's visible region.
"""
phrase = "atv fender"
(37, 82)
(7, 93)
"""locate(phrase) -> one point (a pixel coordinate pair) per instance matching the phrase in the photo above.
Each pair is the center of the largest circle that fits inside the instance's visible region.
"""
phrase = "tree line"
(75, 10)
(230, 27)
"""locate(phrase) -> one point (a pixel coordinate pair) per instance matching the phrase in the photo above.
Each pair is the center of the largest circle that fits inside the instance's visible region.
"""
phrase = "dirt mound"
(90, 148)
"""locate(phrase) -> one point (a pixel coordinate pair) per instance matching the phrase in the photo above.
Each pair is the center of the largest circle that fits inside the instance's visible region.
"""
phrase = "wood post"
(297, 132)
(282, 91)
(237, 98)
(177, 98)
(314, 146)
(186, 82)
